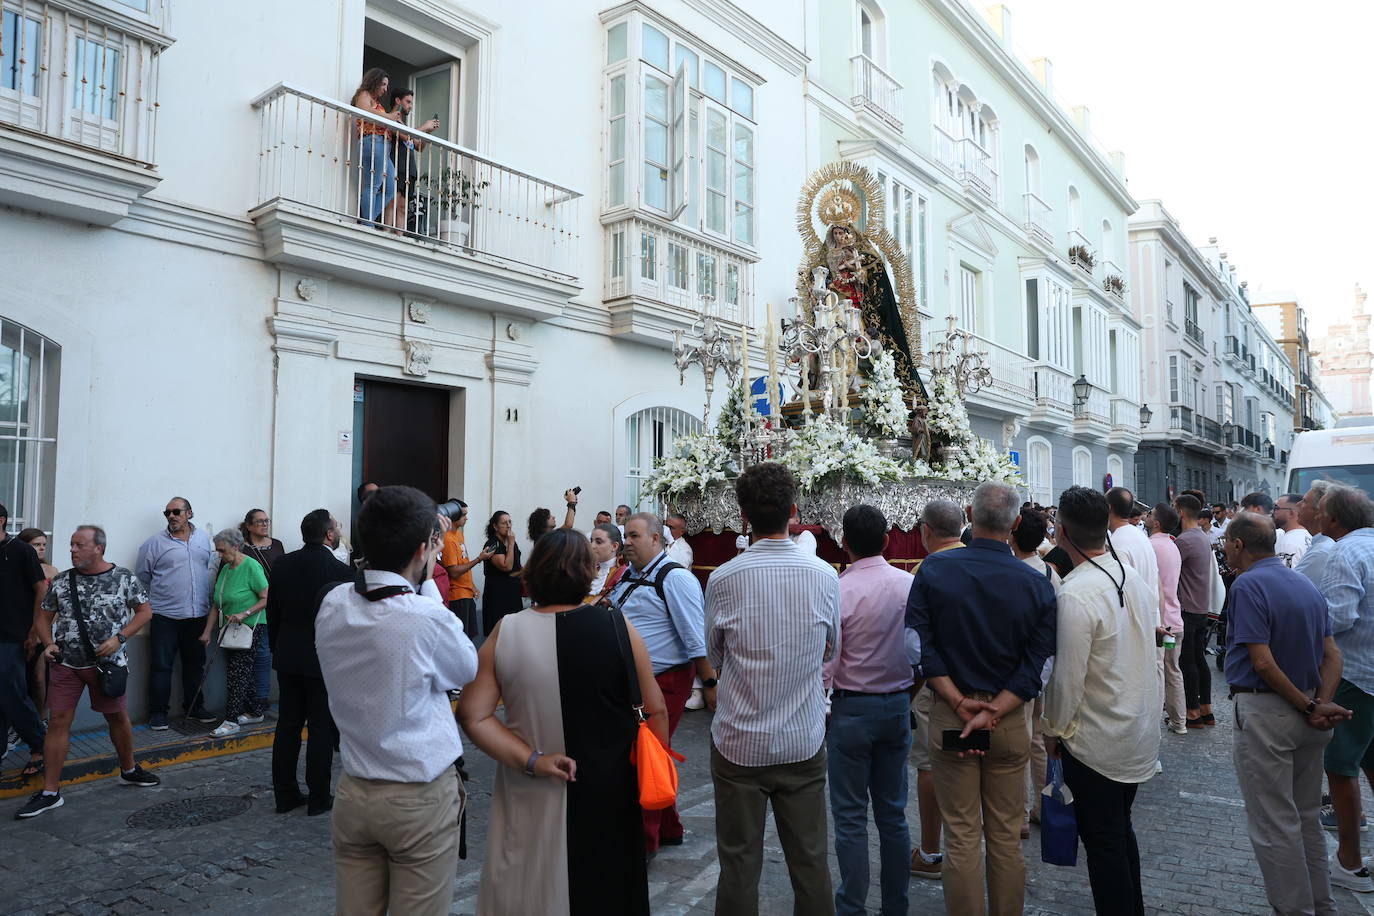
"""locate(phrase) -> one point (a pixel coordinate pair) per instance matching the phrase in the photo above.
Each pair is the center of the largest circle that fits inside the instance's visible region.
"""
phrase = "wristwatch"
(529, 764)
(122, 638)
(1311, 708)
(709, 683)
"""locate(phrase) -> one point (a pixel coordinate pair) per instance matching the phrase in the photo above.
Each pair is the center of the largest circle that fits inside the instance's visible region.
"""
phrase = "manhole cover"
(189, 812)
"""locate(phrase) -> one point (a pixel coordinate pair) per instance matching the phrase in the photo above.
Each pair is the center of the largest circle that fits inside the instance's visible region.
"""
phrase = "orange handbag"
(652, 761)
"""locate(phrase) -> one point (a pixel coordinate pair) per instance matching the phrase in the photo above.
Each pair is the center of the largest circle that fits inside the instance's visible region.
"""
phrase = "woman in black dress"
(570, 840)
(501, 594)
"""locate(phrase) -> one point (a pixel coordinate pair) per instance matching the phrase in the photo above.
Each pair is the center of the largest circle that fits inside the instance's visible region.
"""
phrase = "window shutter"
(677, 142)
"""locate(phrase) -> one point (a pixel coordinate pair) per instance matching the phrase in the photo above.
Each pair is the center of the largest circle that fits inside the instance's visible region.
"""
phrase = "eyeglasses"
(262, 521)
(168, 513)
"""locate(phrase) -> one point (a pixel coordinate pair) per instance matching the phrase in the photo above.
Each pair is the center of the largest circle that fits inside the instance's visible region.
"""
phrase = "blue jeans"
(16, 708)
(377, 184)
(262, 670)
(867, 746)
(168, 637)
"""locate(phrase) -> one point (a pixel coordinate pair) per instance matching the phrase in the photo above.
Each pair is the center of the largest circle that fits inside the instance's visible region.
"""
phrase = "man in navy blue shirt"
(1280, 657)
(986, 622)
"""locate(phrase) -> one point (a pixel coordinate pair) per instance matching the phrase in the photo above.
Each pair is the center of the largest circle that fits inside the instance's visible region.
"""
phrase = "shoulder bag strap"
(80, 614)
(627, 653)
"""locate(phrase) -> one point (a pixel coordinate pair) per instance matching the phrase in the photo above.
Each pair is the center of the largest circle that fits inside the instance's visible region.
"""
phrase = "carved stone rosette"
(900, 502)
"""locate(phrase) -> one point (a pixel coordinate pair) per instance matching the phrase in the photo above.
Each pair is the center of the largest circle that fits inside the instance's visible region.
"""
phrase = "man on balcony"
(406, 154)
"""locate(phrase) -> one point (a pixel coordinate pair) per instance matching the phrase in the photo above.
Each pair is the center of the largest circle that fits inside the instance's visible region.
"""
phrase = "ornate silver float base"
(900, 502)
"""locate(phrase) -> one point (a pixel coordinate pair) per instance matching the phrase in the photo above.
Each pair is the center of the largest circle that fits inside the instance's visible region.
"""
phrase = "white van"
(1343, 456)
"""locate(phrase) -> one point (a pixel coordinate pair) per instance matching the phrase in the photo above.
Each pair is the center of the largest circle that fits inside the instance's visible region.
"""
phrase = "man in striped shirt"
(772, 620)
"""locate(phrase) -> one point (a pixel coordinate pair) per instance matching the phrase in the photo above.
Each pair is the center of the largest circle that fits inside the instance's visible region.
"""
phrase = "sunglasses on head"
(168, 513)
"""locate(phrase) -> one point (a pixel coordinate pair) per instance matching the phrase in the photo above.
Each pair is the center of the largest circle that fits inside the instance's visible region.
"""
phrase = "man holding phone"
(986, 623)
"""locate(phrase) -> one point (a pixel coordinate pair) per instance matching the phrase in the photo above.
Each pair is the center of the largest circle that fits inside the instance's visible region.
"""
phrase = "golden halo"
(839, 206)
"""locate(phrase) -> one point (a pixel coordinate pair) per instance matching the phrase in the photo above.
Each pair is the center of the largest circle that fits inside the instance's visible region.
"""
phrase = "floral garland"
(730, 423)
(825, 451)
(884, 407)
(959, 453)
(701, 458)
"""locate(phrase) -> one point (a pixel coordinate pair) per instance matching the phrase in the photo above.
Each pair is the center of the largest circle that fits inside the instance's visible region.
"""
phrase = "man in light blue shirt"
(1348, 586)
(174, 566)
(663, 600)
(1312, 563)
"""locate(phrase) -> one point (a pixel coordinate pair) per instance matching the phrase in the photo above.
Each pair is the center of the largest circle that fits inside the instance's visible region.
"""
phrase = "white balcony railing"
(876, 91)
(972, 165)
(1053, 387)
(1125, 415)
(78, 77)
(1010, 370)
(1038, 218)
(1097, 409)
(650, 263)
(310, 156)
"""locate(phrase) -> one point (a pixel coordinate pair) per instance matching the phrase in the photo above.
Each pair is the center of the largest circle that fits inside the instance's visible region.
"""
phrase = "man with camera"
(387, 643)
(462, 592)
(87, 616)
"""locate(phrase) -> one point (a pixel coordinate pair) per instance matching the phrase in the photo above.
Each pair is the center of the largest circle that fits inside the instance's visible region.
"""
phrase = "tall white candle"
(744, 337)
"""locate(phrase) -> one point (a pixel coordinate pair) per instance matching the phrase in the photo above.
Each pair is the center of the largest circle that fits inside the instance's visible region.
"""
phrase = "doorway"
(401, 435)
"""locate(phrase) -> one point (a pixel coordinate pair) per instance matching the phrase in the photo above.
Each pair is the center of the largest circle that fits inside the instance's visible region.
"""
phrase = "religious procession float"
(847, 399)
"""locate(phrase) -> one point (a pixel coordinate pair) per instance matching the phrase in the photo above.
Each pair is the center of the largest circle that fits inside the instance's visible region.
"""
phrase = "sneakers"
(225, 729)
(1179, 729)
(139, 777)
(201, 714)
(696, 701)
(38, 803)
(1328, 818)
(1358, 881)
(158, 722)
(249, 720)
(923, 869)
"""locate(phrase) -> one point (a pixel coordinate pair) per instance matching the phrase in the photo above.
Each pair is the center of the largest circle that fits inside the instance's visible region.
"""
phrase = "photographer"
(386, 642)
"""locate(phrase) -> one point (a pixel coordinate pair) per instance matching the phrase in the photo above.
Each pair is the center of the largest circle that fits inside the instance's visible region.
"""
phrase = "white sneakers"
(249, 720)
(1358, 881)
(695, 701)
(225, 729)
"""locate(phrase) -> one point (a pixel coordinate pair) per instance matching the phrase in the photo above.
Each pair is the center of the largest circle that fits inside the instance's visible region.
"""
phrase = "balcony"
(1082, 258)
(1010, 370)
(78, 109)
(1194, 333)
(477, 232)
(660, 279)
(1180, 421)
(1038, 218)
(1052, 389)
(971, 164)
(1115, 285)
(876, 92)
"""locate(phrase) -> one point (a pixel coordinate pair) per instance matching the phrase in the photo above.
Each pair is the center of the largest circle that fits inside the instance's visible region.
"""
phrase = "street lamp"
(1081, 389)
(1145, 414)
(1268, 448)
(1227, 429)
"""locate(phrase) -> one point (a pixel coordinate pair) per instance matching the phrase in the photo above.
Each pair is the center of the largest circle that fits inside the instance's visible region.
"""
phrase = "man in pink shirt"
(870, 731)
(1161, 520)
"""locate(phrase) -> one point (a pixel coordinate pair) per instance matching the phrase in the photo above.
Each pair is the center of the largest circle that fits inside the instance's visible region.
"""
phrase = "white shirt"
(341, 554)
(772, 620)
(388, 666)
(1134, 548)
(681, 552)
(1292, 545)
(1037, 563)
(602, 571)
(1103, 698)
(806, 541)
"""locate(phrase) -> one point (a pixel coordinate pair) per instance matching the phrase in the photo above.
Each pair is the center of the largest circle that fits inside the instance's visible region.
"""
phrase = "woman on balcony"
(376, 169)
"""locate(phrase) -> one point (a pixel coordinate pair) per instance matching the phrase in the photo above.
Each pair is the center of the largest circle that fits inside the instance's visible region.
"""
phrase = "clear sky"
(1249, 119)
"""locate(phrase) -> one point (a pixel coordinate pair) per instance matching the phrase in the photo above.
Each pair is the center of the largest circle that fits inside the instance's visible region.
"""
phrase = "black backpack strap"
(627, 653)
(663, 574)
(79, 613)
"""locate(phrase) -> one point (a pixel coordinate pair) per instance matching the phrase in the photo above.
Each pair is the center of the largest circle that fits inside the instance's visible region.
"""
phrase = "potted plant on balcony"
(1081, 256)
(1114, 284)
(454, 193)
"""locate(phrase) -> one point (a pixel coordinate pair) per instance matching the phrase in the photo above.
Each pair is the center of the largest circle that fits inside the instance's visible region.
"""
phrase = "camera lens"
(452, 509)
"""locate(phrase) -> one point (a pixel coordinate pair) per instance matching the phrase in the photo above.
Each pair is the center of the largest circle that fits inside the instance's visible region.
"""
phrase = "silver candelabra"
(968, 367)
(835, 336)
(717, 350)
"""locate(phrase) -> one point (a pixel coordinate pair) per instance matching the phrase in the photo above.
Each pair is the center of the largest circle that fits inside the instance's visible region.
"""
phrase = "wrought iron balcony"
(1194, 333)
(875, 91)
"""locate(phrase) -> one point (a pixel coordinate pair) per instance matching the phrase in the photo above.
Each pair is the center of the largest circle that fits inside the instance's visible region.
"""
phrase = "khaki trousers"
(1036, 765)
(982, 800)
(1171, 686)
(1278, 759)
(396, 845)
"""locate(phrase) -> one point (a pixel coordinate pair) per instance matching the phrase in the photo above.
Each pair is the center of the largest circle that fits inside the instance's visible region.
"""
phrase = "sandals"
(32, 768)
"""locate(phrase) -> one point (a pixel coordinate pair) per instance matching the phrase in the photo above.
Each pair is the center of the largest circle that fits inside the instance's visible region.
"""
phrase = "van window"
(1360, 476)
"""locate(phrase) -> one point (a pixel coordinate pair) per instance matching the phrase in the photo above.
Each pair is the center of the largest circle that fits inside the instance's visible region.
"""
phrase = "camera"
(577, 491)
(452, 509)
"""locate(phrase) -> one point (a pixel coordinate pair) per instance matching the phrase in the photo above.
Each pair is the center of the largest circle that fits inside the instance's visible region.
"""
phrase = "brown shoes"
(923, 869)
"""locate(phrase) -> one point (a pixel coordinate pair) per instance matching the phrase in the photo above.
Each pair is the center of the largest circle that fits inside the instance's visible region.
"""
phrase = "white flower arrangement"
(948, 418)
(731, 420)
(966, 456)
(884, 407)
(700, 459)
(824, 451)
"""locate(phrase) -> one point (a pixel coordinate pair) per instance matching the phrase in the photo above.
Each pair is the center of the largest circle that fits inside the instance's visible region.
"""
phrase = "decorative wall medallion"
(514, 331)
(418, 311)
(418, 356)
(306, 288)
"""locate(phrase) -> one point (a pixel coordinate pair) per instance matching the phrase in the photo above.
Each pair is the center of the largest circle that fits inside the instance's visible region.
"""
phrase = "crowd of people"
(1074, 634)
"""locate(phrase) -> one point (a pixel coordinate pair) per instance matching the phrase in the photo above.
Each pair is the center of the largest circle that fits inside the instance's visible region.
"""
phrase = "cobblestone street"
(83, 858)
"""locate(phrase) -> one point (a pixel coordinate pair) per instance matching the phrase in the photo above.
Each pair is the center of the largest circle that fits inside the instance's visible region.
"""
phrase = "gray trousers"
(1278, 759)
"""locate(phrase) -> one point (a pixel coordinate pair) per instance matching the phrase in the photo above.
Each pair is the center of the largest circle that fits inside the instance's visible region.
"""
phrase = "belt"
(837, 692)
(1235, 689)
(672, 669)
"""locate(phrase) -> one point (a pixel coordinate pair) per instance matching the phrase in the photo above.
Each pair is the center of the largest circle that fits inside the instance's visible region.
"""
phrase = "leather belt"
(1237, 689)
(837, 692)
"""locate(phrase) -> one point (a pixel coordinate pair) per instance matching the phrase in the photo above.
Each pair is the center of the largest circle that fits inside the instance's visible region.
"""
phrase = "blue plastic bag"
(1058, 823)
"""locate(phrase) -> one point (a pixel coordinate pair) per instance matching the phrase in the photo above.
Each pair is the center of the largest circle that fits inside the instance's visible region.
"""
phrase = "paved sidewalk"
(84, 859)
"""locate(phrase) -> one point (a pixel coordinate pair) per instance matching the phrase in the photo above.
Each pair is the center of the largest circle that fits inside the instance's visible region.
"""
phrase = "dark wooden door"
(405, 436)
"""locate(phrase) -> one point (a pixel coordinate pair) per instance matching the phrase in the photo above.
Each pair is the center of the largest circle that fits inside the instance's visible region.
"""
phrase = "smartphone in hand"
(977, 740)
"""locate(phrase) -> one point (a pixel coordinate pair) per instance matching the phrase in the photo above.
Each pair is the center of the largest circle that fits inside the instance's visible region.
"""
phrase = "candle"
(771, 345)
(677, 341)
(744, 338)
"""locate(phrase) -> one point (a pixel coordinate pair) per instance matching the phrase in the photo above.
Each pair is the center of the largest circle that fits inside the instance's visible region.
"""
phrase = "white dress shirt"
(1292, 545)
(681, 552)
(389, 665)
(1133, 547)
(1103, 698)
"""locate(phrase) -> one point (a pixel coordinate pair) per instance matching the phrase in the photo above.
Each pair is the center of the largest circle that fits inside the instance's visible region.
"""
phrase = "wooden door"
(405, 436)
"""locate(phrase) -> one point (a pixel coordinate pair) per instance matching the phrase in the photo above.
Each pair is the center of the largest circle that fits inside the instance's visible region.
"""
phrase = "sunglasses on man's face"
(168, 513)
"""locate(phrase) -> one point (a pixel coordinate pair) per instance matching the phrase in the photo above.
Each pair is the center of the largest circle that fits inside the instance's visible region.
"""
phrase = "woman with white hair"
(240, 597)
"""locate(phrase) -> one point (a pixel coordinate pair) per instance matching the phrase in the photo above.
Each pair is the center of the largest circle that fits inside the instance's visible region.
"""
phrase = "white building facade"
(1219, 386)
